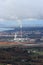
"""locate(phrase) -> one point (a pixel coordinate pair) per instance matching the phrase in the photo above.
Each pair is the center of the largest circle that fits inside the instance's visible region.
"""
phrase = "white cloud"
(31, 19)
(10, 9)
(1, 19)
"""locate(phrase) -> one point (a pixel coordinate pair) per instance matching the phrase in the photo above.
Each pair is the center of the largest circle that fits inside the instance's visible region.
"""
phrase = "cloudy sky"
(20, 9)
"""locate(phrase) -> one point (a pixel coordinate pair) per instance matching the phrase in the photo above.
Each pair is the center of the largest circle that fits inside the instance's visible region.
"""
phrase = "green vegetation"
(2, 64)
(21, 56)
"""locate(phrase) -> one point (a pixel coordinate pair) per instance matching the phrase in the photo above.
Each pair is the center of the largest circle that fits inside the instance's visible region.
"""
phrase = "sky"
(29, 12)
(25, 22)
(11, 9)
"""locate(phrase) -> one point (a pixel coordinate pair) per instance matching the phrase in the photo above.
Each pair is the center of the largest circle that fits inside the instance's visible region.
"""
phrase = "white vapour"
(19, 23)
